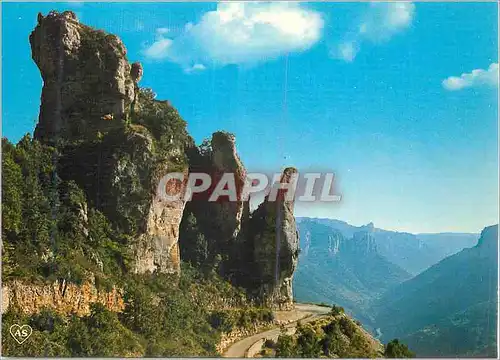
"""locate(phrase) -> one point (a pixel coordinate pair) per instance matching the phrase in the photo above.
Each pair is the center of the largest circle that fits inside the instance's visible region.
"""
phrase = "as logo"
(20, 333)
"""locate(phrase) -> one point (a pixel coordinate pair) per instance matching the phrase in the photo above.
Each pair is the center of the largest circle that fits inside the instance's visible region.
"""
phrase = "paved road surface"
(240, 348)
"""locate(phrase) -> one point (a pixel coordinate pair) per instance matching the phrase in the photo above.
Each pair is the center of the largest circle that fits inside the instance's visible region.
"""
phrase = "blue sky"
(399, 100)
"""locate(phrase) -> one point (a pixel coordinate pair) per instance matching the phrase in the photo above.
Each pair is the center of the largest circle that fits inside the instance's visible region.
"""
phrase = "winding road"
(249, 346)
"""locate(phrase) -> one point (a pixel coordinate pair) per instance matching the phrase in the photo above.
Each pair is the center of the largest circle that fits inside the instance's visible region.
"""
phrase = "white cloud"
(195, 68)
(162, 30)
(348, 50)
(379, 23)
(383, 20)
(159, 48)
(240, 33)
(475, 78)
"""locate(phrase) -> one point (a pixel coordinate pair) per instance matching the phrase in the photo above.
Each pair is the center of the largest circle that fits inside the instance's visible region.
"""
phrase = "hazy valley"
(426, 289)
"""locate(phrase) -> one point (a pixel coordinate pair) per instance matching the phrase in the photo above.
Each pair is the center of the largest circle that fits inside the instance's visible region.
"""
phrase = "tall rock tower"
(113, 139)
(275, 242)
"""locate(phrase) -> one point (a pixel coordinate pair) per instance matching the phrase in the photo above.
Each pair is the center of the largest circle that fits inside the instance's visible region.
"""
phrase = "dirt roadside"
(249, 346)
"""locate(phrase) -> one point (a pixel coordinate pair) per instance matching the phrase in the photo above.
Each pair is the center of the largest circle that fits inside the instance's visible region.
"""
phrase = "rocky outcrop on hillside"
(488, 241)
(86, 76)
(257, 251)
(335, 241)
(114, 139)
(158, 247)
(65, 298)
(275, 244)
(363, 243)
(220, 220)
(225, 160)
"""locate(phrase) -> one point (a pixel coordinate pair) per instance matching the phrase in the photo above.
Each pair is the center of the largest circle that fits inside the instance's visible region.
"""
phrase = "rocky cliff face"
(275, 243)
(158, 245)
(226, 160)
(65, 298)
(488, 241)
(220, 222)
(256, 251)
(363, 242)
(221, 219)
(114, 139)
(335, 241)
(86, 76)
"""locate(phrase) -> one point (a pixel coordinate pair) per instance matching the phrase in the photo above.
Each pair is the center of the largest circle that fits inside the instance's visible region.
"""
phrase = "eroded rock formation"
(225, 160)
(86, 76)
(220, 221)
(65, 298)
(256, 251)
(158, 246)
(114, 139)
(275, 243)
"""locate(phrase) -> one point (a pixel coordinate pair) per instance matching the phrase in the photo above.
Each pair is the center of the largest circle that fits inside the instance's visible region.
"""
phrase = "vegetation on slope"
(333, 336)
(73, 206)
(63, 217)
(61, 222)
(163, 316)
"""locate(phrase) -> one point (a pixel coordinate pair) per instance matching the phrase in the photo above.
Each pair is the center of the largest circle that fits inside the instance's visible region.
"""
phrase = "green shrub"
(269, 343)
(222, 320)
(395, 349)
(285, 346)
(308, 343)
(337, 310)
(347, 327)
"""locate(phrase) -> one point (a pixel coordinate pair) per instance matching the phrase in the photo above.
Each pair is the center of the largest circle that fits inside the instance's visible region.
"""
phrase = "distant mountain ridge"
(412, 252)
(354, 265)
(344, 269)
(451, 308)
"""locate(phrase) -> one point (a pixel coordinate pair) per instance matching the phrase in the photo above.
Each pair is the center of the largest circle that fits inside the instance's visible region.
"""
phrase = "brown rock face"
(64, 298)
(158, 246)
(85, 76)
(275, 242)
(258, 252)
(219, 221)
(115, 141)
(227, 214)
(136, 72)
